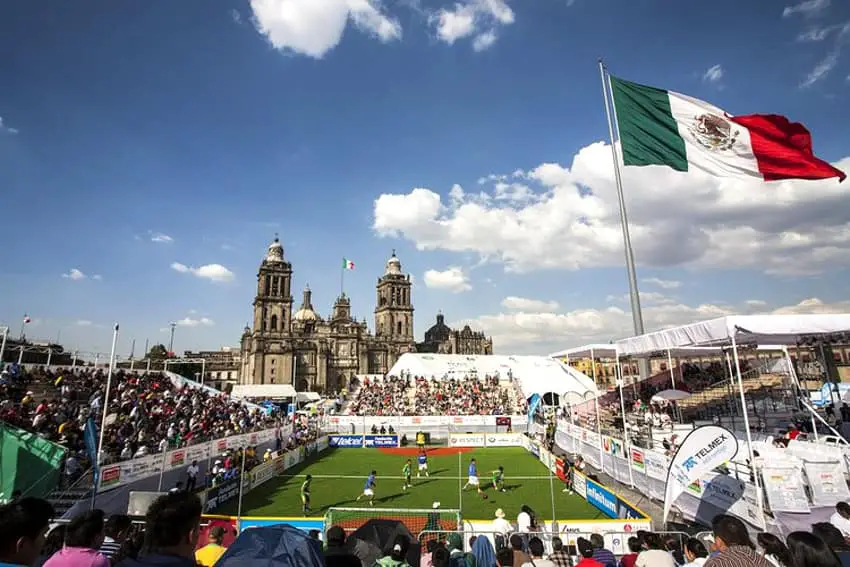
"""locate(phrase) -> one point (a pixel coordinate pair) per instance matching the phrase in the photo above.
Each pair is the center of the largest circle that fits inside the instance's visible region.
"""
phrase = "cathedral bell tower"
(394, 309)
(273, 303)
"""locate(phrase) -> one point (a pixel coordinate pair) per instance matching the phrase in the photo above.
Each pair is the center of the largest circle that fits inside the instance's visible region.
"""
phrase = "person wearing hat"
(336, 554)
(212, 551)
(501, 529)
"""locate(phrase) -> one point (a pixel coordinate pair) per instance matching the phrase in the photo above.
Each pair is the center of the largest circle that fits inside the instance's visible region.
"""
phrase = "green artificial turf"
(281, 495)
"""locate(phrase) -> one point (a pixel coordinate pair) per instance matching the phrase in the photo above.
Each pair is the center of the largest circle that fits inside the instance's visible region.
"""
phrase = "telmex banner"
(701, 451)
(359, 441)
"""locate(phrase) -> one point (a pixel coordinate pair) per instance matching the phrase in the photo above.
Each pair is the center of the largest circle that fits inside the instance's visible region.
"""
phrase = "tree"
(158, 352)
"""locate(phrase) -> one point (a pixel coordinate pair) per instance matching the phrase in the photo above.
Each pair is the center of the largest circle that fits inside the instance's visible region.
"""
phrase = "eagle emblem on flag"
(713, 132)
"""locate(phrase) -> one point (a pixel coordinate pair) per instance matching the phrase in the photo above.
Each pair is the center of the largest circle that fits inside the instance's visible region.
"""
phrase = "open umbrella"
(670, 396)
(372, 540)
(280, 545)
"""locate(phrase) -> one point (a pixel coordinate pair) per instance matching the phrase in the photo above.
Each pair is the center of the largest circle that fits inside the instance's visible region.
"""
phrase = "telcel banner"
(701, 451)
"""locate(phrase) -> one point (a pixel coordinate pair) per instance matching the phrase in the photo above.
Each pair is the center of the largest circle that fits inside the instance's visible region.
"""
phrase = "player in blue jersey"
(369, 489)
(472, 479)
(423, 463)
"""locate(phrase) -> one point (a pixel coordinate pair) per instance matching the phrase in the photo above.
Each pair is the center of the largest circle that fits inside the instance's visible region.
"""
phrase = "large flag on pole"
(90, 440)
(347, 264)
(659, 127)
(704, 449)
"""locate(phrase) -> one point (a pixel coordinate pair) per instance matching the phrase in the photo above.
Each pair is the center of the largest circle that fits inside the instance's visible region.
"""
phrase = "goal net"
(434, 520)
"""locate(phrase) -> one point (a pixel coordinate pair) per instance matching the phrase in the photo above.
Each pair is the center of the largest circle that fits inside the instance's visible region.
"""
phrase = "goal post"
(433, 520)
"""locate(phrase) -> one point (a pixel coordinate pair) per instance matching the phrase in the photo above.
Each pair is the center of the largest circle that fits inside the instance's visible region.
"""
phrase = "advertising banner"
(110, 476)
(263, 473)
(222, 493)
(559, 469)
(345, 441)
(702, 450)
(626, 511)
(602, 498)
(380, 440)
(656, 465)
(503, 440)
(580, 484)
(784, 489)
(467, 439)
(827, 483)
(638, 460)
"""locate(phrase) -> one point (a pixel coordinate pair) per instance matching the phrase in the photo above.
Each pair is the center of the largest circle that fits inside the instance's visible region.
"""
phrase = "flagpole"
(106, 399)
(342, 279)
(634, 296)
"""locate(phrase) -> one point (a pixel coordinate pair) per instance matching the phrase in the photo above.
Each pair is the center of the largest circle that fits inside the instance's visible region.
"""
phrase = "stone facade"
(442, 339)
(312, 353)
(221, 367)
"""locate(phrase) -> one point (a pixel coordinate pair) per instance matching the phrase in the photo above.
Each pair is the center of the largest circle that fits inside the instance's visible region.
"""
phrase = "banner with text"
(467, 439)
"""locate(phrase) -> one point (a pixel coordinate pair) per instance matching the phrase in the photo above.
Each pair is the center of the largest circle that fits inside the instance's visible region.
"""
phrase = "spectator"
(559, 555)
(440, 556)
(23, 529)
(628, 560)
(520, 556)
(808, 550)
(397, 556)
(483, 551)
(654, 554)
(833, 538)
(524, 520)
(672, 544)
(172, 525)
(116, 531)
(505, 557)
(501, 529)
(213, 550)
(54, 542)
(336, 555)
(178, 487)
(535, 550)
(733, 543)
(600, 553)
(83, 537)
(695, 553)
(585, 551)
(192, 476)
(775, 550)
(841, 518)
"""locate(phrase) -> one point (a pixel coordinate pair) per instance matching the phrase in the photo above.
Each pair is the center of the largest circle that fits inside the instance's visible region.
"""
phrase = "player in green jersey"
(305, 494)
(406, 472)
(498, 478)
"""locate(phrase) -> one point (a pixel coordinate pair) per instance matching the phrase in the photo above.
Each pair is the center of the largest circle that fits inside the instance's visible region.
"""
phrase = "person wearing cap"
(336, 554)
(501, 529)
(212, 551)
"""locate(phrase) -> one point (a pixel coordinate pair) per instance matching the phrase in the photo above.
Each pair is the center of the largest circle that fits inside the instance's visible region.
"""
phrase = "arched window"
(399, 327)
(274, 322)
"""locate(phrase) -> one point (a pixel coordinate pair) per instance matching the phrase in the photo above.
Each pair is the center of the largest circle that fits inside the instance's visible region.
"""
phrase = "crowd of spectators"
(417, 395)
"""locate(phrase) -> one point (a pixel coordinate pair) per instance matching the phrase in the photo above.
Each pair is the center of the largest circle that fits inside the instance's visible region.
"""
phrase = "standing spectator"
(336, 555)
(117, 529)
(213, 550)
(600, 553)
(654, 555)
(841, 518)
(559, 556)
(628, 560)
(808, 550)
(585, 550)
(535, 549)
(440, 557)
(501, 529)
(172, 525)
(23, 530)
(733, 543)
(774, 550)
(83, 537)
(833, 538)
(482, 549)
(192, 476)
(520, 557)
(695, 553)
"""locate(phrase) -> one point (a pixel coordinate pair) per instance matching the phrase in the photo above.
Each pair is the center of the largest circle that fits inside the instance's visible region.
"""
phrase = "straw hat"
(435, 505)
(500, 513)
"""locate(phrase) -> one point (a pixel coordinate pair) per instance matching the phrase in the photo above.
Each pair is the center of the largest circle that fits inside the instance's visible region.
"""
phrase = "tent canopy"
(587, 351)
(535, 374)
(269, 391)
(305, 397)
(743, 329)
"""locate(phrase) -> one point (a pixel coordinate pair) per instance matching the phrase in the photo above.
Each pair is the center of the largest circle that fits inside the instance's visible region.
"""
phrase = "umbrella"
(280, 545)
(373, 540)
(670, 396)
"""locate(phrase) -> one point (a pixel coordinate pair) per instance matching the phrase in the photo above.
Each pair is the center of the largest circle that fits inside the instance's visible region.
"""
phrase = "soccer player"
(498, 478)
(423, 463)
(305, 494)
(406, 473)
(369, 489)
(472, 479)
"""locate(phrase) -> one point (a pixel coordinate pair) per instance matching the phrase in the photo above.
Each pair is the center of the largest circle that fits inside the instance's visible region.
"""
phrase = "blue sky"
(139, 137)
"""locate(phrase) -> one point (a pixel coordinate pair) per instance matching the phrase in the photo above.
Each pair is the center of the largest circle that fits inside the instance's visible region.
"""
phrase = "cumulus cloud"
(192, 322)
(713, 74)
(663, 284)
(74, 274)
(476, 19)
(544, 332)
(524, 304)
(84, 323)
(570, 220)
(212, 272)
(452, 279)
(4, 129)
(807, 8)
(160, 238)
(313, 28)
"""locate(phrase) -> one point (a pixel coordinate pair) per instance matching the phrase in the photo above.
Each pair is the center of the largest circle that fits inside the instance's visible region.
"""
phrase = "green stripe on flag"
(648, 132)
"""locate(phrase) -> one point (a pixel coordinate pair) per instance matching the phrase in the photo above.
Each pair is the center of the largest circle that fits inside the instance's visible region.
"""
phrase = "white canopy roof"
(745, 329)
(303, 397)
(588, 351)
(535, 374)
(269, 391)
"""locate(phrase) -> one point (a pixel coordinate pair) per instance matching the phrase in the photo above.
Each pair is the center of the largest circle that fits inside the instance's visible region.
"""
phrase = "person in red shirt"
(585, 550)
(629, 559)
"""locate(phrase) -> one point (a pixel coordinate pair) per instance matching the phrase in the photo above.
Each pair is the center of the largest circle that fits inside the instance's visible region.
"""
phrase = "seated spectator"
(654, 553)
(83, 538)
(628, 560)
(600, 553)
(833, 538)
(336, 554)
(774, 549)
(213, 550)
(695, 553)
(397, 556)
(172, 526)
(808, 550)
(585, 551)
(23, 528)
(117, 529)
(841, 518)
(559, 555)
(535, 550)
(732, 540)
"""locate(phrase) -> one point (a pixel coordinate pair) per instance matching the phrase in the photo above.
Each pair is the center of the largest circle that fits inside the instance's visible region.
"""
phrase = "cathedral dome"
(393, 265)
(306, 312)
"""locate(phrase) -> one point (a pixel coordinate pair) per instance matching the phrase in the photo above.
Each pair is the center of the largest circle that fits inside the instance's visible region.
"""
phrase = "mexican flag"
(659, 127)
(347, 264)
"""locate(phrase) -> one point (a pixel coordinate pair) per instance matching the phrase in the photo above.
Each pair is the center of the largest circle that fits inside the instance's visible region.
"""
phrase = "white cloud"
(7, 129)
(807, 8)
(713, 74)
(452, 279)
(74, 274)
(235, 16)
(191, 322)
(97, 277)
(646, 298)
(84, 323)
(529, 305)
(755, 303)
(791, 227)
(160, 238)
(821, 70)
(212, 272)
(478, 19)
(663, 284)
(313, 28)
(541, 333)
(816, 34)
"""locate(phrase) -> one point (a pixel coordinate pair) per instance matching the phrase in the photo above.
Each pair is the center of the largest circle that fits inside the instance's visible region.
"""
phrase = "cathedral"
(312, 353)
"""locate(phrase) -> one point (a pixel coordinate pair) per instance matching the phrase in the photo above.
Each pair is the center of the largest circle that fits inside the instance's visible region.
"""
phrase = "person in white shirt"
(523, 521)
(501, 529)
(695, 553)
(535, 550)
(841, 518)
(192, 476)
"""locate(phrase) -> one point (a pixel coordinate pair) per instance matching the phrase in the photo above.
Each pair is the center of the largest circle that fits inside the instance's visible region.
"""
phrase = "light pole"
(171, 342)
(3, 345)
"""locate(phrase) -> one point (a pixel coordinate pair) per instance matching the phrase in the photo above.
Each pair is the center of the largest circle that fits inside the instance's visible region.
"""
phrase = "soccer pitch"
(339, 475)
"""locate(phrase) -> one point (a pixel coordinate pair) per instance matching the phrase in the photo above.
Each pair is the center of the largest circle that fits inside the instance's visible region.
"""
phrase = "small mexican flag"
(347, 264)
(659, 127)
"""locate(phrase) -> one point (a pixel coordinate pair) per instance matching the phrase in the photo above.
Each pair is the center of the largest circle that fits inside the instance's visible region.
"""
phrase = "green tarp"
(28, 463)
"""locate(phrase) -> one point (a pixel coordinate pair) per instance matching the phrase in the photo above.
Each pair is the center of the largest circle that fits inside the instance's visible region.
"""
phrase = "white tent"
(267, 391)
(535, 374)
(587, 351)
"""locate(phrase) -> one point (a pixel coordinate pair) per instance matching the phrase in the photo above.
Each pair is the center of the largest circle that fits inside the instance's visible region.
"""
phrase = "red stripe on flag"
(783, 149)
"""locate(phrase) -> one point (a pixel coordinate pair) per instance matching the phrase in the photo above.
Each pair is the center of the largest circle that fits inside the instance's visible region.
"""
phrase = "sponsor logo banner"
(345, 440)
(467, 440)
(222, 493)
(638, 461)
(503, 440)
(626, 511)
(178, 458)
(602, 498)
(701, 451)
(535, 449)
(110, 476)
(580, 484)
(263, 473)
(380, 440)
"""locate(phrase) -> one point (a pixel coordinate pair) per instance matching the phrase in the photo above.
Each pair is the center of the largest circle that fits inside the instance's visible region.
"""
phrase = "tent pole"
(670, 368)
(596, 407)
(620, 382)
